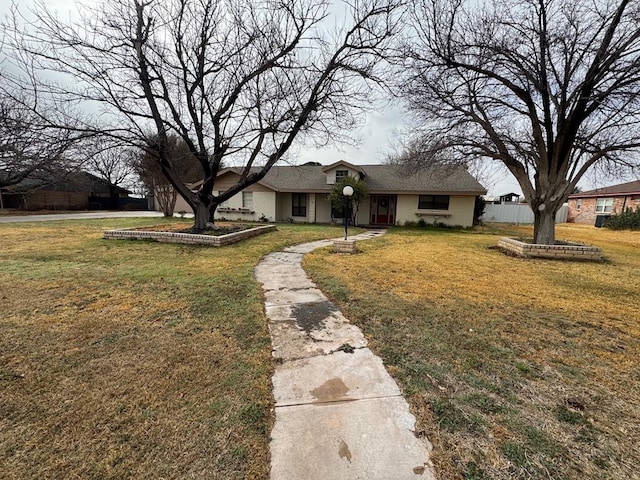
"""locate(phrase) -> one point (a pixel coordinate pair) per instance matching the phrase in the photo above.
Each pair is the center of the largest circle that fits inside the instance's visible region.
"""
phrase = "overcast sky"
(380, 133)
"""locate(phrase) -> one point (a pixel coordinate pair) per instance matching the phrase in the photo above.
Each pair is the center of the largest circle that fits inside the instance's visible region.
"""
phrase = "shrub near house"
(627, 220)
(584, 207)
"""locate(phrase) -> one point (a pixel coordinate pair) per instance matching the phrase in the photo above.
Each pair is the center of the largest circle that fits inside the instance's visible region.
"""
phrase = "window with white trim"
(578, 204)
(604, 205)
(340, 174)
(247, 200)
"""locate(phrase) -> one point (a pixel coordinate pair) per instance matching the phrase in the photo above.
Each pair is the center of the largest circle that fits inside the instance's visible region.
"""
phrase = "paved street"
(75, 216)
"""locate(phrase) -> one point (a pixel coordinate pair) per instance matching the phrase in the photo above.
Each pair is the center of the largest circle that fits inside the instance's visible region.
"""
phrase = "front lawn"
(132, 359)
(514, 368)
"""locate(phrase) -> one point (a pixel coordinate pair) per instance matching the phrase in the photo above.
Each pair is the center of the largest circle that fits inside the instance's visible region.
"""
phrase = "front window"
(433, 202)
(247, 200)
(604, 205)
(578, 204)
(299, 205)
(340, 174)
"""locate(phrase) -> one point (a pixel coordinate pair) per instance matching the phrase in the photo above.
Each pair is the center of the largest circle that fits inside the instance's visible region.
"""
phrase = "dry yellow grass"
(515, 368)
(133, 359)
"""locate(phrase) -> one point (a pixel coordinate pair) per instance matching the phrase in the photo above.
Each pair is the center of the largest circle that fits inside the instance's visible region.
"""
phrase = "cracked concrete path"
(339, 414)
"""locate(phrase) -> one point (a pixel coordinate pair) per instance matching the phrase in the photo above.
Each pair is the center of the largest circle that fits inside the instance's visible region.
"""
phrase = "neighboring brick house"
(584, 207)
(65, 191)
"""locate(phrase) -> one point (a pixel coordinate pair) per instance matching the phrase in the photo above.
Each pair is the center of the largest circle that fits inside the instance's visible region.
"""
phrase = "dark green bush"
(478, 210)
(627, 220)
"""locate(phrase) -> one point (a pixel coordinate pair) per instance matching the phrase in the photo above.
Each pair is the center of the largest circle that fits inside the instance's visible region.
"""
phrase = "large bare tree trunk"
(202, 217)
(203, 214)
(544, 222)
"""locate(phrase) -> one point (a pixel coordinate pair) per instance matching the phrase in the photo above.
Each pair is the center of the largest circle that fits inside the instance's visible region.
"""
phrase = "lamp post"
(347, 191)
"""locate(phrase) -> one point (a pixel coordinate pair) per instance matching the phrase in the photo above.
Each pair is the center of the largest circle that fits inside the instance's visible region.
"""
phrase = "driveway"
(76, 216)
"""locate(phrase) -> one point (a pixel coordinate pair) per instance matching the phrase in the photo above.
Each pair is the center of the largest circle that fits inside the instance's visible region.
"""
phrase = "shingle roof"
(390, 178)
(62, 181)
(622, 188)
(290, 178)
(380, 178)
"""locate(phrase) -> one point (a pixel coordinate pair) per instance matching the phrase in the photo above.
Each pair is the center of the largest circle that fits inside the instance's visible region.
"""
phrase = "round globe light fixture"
(347, 191)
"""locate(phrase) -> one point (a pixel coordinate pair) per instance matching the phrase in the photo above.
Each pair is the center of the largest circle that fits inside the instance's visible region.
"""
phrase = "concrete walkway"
(339, 415)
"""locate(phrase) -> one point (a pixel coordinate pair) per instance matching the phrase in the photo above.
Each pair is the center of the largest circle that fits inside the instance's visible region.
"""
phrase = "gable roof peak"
(343, 163)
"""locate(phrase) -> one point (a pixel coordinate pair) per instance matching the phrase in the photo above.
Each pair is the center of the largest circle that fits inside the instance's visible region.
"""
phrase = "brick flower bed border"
(567, 251)
(187, 238)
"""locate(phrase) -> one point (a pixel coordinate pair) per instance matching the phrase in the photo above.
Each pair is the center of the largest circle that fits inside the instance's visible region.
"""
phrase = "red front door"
(383, 209)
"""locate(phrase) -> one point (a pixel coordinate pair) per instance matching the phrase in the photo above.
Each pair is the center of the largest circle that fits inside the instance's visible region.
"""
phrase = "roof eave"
(429, 192)
(599, 195)
(388, 192)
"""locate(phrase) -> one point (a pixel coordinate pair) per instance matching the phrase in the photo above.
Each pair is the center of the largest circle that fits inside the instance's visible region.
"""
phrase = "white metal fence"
(516, 213)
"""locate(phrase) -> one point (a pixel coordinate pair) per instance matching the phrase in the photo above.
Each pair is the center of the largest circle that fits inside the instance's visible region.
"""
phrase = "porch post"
(312, 208)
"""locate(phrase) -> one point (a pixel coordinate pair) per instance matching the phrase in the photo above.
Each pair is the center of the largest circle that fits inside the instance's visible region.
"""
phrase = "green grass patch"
(454, 419)
(514, 368)
(129, 359)
(563, 414)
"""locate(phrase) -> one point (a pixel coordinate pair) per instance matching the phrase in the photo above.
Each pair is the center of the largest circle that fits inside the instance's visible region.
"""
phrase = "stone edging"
(570, 251)
(187, 238)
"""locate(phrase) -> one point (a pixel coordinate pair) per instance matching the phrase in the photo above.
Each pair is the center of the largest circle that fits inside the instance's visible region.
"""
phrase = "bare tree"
(113, 163)
(550, 89)
(31, 143)
(31, 148)
(236, 80)
(145, 162)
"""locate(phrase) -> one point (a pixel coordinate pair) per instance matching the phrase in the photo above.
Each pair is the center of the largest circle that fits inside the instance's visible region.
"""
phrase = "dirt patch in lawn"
(514, 368)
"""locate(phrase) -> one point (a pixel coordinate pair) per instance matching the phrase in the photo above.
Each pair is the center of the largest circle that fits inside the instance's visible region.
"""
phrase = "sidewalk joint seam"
(336, 402)
(316, 354)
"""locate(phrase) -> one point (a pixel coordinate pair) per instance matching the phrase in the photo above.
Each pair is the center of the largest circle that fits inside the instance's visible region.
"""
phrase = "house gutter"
(600, 195)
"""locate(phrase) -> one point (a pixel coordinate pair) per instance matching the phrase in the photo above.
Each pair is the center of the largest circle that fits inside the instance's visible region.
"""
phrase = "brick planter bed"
(187, 238)
(344, 246)
(565, 251)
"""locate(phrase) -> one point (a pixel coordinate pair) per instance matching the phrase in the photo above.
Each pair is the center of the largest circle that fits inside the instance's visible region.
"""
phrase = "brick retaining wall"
(187, 238)
(344, 246)
(570, 251)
